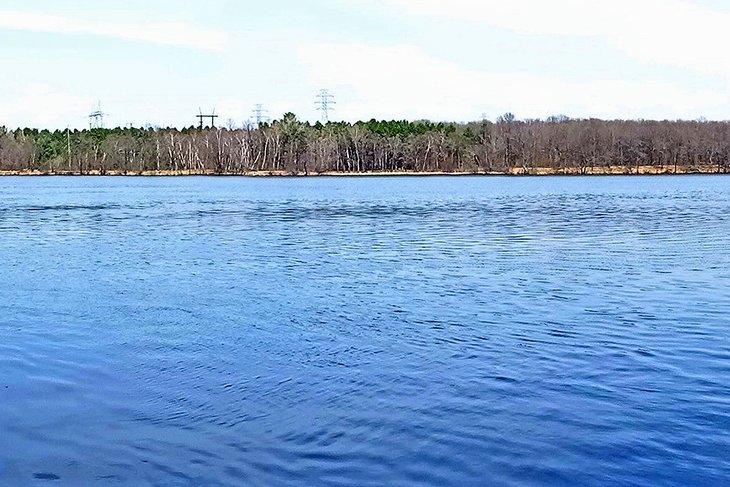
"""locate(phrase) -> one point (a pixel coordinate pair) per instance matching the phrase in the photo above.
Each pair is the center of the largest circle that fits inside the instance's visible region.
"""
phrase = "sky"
(159, 62)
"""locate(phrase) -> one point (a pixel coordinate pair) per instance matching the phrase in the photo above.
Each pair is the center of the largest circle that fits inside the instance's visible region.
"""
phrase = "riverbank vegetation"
(288, 146)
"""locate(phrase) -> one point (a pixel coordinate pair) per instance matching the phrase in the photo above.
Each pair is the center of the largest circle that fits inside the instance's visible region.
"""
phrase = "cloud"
(41, 106)
(404, 81)
(164, 33)
(675, 33)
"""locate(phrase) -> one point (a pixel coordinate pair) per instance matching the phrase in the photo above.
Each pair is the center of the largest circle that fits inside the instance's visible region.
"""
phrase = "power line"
(325, 103)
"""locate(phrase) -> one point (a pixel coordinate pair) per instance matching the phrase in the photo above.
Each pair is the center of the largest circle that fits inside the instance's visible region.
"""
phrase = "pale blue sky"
(157, 62)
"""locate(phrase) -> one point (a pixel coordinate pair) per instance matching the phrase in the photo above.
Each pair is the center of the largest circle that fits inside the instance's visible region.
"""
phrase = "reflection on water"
(364, 331)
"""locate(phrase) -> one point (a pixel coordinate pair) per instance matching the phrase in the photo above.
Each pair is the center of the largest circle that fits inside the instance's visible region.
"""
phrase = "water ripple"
(471, 331)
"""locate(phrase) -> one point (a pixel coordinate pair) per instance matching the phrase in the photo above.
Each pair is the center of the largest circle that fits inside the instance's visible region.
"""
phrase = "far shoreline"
(516, 172)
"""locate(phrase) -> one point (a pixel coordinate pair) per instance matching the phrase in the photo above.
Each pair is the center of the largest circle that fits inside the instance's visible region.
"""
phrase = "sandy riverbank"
(530, 171)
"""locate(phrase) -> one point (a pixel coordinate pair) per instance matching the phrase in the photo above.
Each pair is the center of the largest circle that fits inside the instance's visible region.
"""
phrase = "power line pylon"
(259, 114)
(96, 117)
(325, 103)
(202, 117)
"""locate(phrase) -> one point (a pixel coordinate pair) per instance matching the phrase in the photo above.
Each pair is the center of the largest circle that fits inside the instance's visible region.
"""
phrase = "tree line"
(507, 145)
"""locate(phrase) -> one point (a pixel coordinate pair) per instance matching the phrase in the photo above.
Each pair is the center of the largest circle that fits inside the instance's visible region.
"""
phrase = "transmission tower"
(259, 114)
(325, 103)
(96, 117)
(202, 117)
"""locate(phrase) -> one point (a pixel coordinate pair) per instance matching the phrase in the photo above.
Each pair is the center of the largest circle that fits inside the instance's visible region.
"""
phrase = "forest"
(289, 146)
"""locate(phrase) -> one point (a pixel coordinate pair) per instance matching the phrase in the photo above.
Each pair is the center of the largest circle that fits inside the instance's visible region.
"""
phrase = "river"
(358, 331)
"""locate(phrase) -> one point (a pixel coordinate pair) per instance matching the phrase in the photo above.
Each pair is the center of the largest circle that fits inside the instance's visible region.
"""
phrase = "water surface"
(364, 331)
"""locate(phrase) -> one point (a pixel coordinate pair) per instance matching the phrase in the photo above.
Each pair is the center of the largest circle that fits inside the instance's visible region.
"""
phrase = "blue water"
(365, 331)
